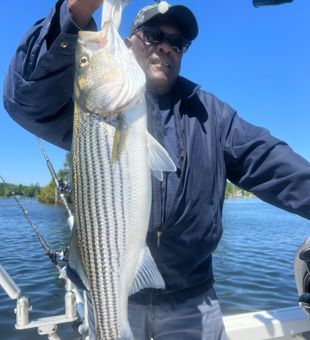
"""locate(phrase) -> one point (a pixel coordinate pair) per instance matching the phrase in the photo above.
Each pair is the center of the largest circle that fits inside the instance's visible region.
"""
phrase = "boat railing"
(74, 307)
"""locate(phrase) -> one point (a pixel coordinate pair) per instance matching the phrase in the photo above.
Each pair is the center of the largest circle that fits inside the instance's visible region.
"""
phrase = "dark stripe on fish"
(88, 161)
(123, 207)
(83, 212)
(115, 290)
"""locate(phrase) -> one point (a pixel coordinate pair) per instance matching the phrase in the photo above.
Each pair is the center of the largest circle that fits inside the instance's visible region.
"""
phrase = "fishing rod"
(54, 255)
(60, 188)
(74, 302)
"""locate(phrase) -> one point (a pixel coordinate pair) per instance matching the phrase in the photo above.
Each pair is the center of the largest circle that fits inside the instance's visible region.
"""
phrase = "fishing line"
(54, 256)
(59, 187)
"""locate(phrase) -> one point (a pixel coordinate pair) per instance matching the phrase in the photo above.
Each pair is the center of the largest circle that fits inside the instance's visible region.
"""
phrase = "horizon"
(255, 59)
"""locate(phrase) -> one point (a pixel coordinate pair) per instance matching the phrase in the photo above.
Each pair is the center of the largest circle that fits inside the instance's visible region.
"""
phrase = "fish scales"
(103, 237)
(113, 155)
(109, 211)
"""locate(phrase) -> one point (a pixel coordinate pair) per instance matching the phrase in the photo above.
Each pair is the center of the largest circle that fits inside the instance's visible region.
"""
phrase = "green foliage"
(233, 191)
(65, 172)
(6, 189)
(47, 195)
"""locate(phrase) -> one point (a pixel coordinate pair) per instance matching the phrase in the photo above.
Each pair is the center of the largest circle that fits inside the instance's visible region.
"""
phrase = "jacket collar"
(185, 88)
(182, 89)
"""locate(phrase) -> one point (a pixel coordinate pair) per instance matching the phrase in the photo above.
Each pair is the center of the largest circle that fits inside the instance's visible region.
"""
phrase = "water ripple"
(22, 256)
(253, 264)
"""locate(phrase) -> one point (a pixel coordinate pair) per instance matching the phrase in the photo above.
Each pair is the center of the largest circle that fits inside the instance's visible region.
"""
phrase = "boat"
(283, 324)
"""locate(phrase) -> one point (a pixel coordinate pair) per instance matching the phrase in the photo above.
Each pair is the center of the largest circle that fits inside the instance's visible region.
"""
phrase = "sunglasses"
(153, 36)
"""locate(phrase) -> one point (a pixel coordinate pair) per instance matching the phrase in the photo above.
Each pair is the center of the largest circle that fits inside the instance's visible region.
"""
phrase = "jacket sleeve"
(39, 84)
(264, 165)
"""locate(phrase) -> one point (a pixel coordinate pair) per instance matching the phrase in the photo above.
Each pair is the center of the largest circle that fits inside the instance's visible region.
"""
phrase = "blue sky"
(255, 59)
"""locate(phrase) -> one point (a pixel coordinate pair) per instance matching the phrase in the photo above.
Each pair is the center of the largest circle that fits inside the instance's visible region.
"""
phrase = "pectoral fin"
(159, 159)
(120, 136)
(147, 275)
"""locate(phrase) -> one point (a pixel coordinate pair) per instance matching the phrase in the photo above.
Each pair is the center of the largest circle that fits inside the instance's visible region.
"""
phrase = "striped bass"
(113, 156)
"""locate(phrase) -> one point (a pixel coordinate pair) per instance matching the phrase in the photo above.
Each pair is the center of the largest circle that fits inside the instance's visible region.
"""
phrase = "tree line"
(48, 193)
(233, 191)
(32, 190)
(44, 194)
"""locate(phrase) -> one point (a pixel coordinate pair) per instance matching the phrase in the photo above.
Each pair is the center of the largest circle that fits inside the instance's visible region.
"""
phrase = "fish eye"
(83, 61)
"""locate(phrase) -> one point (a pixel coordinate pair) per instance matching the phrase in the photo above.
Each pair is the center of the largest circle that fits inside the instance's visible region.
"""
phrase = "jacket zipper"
(164, 225)
(158, 235)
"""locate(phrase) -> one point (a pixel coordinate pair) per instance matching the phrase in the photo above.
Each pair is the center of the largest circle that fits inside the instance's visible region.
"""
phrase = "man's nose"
(165, 47)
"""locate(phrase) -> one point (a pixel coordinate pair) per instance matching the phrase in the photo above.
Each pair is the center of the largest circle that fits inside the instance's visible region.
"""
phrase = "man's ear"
(128, 42)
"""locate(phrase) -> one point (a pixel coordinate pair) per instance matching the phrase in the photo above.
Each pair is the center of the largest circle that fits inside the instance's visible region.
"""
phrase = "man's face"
(160, 62)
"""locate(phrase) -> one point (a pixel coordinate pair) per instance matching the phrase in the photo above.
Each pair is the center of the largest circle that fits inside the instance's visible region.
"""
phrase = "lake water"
(253, 264)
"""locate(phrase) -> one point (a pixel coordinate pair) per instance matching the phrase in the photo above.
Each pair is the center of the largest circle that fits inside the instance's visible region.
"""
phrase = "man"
(205, 137)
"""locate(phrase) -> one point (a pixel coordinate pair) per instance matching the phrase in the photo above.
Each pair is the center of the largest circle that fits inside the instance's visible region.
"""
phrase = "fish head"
(107, 76)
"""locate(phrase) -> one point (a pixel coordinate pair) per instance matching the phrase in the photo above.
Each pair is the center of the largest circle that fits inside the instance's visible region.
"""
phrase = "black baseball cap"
(178, 14)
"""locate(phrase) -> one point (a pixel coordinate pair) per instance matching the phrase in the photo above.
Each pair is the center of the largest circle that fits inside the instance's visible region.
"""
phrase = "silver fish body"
(112, 159)
(112, 204)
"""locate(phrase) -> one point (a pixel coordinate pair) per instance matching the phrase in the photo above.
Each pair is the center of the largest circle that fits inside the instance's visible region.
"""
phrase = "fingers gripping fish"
(113, 157)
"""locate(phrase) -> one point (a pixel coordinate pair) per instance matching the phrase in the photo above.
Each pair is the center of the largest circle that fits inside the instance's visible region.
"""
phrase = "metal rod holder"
(45, 326)
(22, 312)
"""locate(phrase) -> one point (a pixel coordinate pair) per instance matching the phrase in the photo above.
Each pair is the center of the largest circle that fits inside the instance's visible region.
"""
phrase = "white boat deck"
(285, 323)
